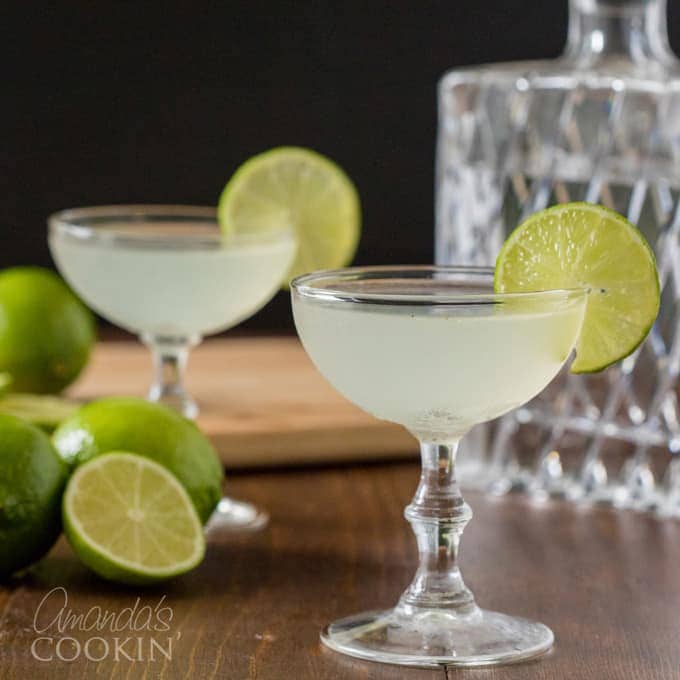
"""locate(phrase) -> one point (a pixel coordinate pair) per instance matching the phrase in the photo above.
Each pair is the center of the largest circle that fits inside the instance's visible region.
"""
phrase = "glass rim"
(73, 222)
(308, 286)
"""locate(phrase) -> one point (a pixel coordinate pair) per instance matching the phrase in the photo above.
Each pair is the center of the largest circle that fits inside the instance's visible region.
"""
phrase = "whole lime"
(32, 478)
(151, 430)
(46, 333)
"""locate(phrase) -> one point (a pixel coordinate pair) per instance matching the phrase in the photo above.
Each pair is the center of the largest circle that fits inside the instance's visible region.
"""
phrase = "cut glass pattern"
(602, 128)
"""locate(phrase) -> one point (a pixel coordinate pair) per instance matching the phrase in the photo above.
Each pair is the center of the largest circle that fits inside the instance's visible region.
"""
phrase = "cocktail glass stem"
(438, 516)
(170, 355)
(436, 620)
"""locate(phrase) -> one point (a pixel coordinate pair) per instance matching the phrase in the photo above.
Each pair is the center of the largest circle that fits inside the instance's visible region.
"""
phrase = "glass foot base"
(437, 637)
(233, 515)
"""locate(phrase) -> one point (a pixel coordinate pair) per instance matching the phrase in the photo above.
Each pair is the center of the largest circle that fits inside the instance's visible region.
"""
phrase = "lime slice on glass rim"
(581, 245)
(302, 189)
(130, 520)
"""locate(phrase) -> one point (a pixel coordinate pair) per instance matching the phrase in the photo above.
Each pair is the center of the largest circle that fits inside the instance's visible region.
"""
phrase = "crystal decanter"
(600, 124)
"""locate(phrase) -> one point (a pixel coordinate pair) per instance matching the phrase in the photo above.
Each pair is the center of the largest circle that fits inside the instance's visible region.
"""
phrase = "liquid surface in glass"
(438, 370)
(145, 286)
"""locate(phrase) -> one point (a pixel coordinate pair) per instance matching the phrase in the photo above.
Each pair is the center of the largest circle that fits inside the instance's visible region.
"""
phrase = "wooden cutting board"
(262, 402)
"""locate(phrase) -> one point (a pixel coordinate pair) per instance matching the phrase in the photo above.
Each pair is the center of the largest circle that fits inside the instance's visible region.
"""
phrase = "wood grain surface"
(262, 402)
(608, 583)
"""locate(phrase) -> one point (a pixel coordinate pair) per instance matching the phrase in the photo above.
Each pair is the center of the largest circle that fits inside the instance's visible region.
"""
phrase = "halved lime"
(130, 520)
(5, 382)
(300, 189)
(148, 429)
(45, 411)
(581, 245)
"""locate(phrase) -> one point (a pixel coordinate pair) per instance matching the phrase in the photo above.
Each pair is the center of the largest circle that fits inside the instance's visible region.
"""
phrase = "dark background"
(152, 102)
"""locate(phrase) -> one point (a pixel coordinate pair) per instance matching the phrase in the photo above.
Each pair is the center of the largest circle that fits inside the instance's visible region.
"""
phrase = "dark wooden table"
(608, 584)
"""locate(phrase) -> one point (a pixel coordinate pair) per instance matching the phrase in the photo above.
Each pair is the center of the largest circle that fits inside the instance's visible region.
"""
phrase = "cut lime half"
(130, 520)
(296, 188)
(580, 245)
(45, 411)
(5, 382)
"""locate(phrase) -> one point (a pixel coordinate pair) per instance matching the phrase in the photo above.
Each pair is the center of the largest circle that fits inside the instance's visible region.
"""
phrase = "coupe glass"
(168, 274)
(437, 351)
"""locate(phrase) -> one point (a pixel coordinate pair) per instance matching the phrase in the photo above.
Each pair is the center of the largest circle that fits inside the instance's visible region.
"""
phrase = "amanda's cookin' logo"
(136, 633)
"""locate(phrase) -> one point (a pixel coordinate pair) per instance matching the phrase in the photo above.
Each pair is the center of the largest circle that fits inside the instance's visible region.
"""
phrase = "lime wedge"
(5, 382)
(300, 189)
(130, 520)
(580, 245)
(45, 411)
